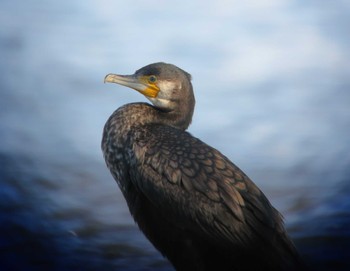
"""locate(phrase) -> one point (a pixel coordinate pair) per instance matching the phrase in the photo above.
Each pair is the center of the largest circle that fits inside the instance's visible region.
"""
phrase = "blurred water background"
(271, 79)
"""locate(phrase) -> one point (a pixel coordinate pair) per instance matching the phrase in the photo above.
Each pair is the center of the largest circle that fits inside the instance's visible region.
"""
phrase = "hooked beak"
(140, 83)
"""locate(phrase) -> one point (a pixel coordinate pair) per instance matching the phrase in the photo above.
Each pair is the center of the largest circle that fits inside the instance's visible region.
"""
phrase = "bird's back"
(198, 208)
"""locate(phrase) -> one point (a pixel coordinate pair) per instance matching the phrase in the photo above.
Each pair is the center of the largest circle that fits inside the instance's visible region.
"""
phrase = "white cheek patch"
(164, 97)
(166, 89)
(162, 103)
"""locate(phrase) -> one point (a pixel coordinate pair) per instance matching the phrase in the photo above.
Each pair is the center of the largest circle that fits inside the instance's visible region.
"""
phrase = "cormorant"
(195, 206)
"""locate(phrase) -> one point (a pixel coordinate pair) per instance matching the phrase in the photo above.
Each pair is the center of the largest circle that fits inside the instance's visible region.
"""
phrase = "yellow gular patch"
(151, 90)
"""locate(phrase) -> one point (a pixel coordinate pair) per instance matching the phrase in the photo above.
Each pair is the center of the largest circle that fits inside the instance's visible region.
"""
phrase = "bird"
(194, 205)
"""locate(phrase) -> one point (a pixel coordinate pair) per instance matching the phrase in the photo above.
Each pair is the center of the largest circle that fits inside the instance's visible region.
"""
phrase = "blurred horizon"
(271, 80)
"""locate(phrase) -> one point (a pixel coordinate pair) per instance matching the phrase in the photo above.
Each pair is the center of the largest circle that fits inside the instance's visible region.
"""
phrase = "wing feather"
(199, 186)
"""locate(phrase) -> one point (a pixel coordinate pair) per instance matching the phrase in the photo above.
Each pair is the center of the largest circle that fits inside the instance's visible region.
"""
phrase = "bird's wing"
(188, 180)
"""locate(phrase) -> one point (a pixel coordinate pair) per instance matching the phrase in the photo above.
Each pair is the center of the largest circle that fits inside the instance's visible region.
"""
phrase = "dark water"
(280, 110)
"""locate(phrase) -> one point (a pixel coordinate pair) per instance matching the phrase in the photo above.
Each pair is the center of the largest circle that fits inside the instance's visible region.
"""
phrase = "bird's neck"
(137, 114)
(134, 115)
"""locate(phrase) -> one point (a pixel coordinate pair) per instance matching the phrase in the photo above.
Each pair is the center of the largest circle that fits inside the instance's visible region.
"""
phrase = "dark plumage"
(199, 209)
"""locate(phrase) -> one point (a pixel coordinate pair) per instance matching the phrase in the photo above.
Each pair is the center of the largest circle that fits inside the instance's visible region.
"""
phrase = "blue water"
(271, 81)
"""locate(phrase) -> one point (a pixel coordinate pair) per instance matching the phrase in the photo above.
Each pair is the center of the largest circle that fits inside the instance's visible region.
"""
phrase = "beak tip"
(105, 80)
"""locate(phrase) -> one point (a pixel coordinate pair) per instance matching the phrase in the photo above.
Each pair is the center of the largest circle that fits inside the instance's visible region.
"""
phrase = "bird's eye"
(152, 79)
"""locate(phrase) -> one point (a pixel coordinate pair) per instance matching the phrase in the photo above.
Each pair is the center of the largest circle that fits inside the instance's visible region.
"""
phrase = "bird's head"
(165, 85)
